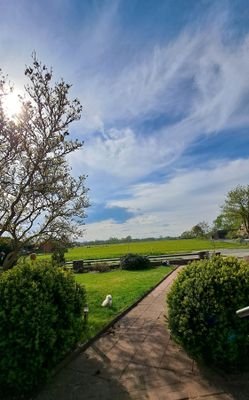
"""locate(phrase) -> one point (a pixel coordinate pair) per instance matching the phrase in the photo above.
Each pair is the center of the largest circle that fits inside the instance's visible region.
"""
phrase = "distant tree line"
(231, 223)
(200, 230)
(127, 239)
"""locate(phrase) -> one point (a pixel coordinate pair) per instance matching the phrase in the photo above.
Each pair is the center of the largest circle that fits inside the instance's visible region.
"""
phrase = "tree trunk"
(10, 260)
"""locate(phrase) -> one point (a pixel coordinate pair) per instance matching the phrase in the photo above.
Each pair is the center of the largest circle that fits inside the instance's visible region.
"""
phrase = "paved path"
(137, 359)
(235, 252)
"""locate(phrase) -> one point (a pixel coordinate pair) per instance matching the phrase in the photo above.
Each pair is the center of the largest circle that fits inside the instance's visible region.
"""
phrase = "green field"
(149, 248)
(124, 286)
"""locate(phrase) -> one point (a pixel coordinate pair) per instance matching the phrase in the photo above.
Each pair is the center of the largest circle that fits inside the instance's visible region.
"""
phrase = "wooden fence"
(162, 259)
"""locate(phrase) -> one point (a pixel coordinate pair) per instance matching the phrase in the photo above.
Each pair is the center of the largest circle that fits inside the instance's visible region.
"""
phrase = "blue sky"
(164, 87)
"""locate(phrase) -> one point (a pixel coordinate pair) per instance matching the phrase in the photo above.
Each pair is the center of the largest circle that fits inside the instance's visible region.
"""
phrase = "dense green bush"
(134, 262)
(58, 257)
(101, 267)
(40, 321)
(5, 248)
(78, 266)
(202, 305)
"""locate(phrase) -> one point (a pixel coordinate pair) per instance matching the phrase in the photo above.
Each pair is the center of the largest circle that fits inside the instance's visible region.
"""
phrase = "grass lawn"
(124, 286)
(149, 248)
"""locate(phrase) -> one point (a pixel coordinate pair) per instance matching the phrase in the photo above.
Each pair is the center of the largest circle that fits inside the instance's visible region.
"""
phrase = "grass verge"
(154, 247)
(125, 287)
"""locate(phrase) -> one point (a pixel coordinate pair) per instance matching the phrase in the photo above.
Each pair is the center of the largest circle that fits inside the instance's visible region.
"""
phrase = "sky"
(164, 86)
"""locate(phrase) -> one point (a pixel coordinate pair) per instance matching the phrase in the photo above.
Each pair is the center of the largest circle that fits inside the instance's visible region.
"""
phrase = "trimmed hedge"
(134, 262)
(101, 267)
(202, 311)
(40, 321)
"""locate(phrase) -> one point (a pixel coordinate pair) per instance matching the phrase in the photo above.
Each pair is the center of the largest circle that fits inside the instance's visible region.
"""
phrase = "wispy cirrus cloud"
(199, 77)
(148, 98)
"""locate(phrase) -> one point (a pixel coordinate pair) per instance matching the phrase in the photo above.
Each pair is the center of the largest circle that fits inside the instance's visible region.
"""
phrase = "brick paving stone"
(158, 332)
(126, 321)
(202, 388)
(85, 364)
(142, 357)
(153, 315)
(133, 337)
(147, 323)
(221, 396)
(122, 351)
(143, 395)
(162, 393)
(137, 359)
(105, 344)
(177, 360)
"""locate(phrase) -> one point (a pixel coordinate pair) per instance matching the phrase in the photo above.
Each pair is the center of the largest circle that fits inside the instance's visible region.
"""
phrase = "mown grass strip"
(126, 287)
(155, 247)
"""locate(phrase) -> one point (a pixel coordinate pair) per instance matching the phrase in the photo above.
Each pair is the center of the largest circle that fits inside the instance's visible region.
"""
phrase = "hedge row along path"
(137, 359)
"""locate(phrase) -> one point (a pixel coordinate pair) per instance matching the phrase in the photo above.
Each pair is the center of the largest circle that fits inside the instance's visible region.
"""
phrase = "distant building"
(220, 234)
(46, 247)
(242, 231)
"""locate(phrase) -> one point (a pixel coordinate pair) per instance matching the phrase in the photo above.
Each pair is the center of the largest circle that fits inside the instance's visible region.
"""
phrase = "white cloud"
(120, 153)
(217, 69)
(173, 206)
(199, 78)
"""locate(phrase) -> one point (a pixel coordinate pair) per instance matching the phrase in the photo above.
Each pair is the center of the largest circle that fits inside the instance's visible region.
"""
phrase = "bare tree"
(39, 198)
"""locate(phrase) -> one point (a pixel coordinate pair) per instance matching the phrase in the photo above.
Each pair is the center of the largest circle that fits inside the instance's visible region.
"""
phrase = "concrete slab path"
(137, 359)
(240, 253)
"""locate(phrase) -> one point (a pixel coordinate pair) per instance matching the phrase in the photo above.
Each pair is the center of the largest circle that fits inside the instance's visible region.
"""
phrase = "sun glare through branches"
(12, 104)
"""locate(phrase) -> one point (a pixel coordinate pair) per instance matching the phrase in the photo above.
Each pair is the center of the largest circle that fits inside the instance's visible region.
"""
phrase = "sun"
(12, 104)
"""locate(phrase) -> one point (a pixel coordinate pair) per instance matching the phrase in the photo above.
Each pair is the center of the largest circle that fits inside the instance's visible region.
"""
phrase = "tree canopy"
(236, 208)
(39, 197)
(226, 226)
(200, 230)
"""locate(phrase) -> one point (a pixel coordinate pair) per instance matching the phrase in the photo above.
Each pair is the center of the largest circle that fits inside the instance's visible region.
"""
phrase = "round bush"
(134, 262)
(40, 321)
(101, 267)
(202, 311)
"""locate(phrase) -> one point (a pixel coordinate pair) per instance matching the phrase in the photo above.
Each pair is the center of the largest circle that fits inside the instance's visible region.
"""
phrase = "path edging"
(83, 346)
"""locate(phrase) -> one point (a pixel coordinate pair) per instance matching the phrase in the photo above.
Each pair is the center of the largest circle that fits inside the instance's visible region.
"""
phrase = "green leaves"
(134, 262)
(202, 305)
(236, 207)
(40, 321)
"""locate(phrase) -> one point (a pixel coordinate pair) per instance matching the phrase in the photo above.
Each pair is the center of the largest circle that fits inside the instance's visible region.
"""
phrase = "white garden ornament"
(108, 301)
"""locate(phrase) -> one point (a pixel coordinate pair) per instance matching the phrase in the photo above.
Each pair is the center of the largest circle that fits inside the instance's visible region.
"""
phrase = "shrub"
(5, 248)
(101, 267)
(202, 305)
(40, 321)
(78, 266)
(58, 256)
(134, 262)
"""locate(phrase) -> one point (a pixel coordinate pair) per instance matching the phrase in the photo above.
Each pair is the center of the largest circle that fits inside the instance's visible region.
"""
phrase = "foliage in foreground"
(134, 262)
(40, 321)
(202, 305)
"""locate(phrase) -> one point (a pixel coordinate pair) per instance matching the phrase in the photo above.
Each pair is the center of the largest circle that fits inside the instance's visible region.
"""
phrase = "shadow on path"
(85, 378)
(137, 359)
(236, 385)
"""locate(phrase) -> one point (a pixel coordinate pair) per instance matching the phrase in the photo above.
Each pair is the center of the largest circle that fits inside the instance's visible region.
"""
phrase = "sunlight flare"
(12, 104)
